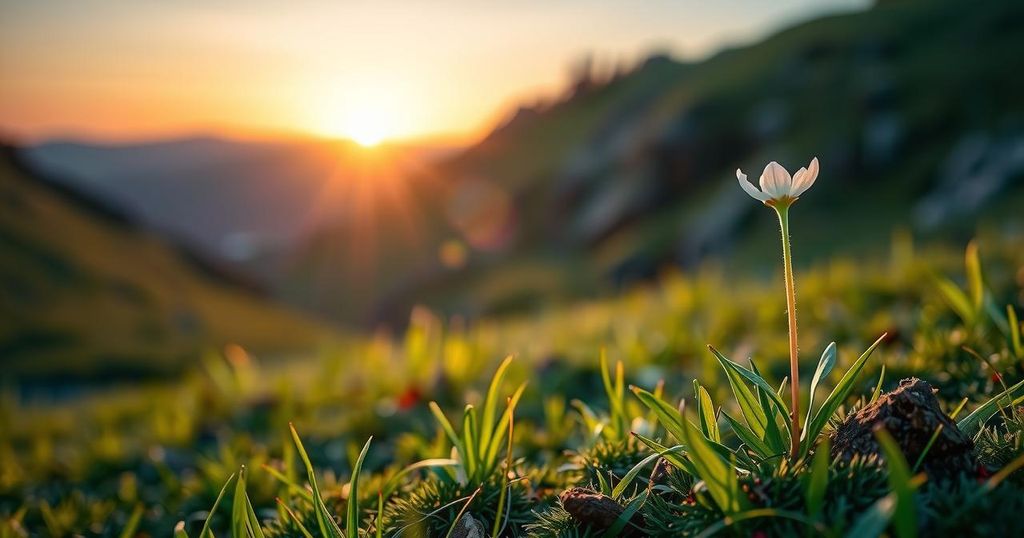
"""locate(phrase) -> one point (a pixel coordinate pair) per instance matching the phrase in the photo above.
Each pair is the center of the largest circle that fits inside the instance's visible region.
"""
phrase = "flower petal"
(749, 187)
(775, 180)
(805, 178)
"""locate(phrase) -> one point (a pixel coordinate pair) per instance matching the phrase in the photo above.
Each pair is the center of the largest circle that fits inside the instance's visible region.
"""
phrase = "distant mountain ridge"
(85, 293)
(228, 197)
(911, 106)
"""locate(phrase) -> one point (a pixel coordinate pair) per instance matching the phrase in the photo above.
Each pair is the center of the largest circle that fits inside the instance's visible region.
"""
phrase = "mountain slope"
(84, 293)
(914, 107)
(232, 198)
(911, 106)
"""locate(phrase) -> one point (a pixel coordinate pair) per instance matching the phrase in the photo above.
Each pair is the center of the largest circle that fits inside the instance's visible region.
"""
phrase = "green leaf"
(776, 438)
(748, 437)
(825, 364)
(835, 399)
(972, 422)
(718, 474)
(751, 377)
(352, 507)
(905, 513)
(179, 530)
(669, 416)
(750, 407)
(817, 482)
(706, 412)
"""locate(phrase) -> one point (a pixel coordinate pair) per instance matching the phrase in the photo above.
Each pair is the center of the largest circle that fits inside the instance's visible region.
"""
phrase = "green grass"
(151, 310)
(450, 449)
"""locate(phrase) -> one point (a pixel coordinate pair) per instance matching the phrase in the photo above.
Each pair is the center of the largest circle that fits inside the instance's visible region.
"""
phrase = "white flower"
(776, 184)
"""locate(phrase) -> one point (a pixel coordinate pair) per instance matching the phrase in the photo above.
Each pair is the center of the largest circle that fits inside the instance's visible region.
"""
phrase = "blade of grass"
(957, 300)
(972, 422)
(730, 520)
(392, 484)
(293, 487)
(938, 431)
(206, 532)
(670, 418)
(462, 512)
(132, 524)
(328, 527)
(904, 513)
(469, 439)
(873, 522)
(817, 482)
(675, 455)
(352, 507)
(508, 470)
(718, 474)
(626, 515)
(631, 475)
(491, 407)
(506, 417)
(295, 518)
(878, 386)
(379, 523)
(975, 282)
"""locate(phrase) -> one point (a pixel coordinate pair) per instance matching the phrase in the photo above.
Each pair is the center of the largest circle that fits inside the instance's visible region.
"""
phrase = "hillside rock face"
(911, 414)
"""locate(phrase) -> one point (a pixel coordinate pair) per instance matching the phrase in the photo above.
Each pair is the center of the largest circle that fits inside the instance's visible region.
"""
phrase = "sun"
(366, 119)
(367, 127)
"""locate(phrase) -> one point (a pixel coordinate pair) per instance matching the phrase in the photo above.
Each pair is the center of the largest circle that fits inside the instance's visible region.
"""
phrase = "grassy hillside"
(909, 106)
(87, 294)
(160, 453)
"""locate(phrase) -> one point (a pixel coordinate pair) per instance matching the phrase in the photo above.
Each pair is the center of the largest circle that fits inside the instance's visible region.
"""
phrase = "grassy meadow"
(407, 434)
(271, 270)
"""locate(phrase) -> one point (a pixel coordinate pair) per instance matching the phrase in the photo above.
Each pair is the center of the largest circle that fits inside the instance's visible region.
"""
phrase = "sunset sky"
(369, 70)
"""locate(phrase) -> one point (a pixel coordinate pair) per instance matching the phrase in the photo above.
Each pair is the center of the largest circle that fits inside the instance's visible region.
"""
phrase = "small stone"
(911, 414)
(469, 527)
(594, 510)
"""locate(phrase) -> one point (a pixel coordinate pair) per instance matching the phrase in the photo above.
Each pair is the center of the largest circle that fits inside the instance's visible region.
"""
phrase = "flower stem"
(794, 363)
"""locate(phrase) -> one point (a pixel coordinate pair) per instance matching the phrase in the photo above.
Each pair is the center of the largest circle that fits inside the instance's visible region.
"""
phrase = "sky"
(369, 70)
